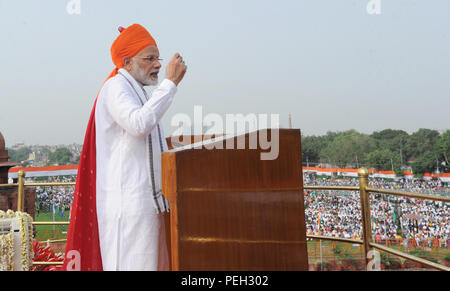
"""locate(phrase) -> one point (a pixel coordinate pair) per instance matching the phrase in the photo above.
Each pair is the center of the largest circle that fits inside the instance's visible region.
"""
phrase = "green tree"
(426, 163)
(383, 160)
(348, 148)
(393, 140)
(312, 145)
(19, 155)
(45, 152)
(421, 142)
(443, 150)
(389, 137)
(382, 150)
(61, 156)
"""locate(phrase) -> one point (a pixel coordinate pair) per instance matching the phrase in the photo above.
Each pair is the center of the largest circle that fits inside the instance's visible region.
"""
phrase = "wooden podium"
(230, 210)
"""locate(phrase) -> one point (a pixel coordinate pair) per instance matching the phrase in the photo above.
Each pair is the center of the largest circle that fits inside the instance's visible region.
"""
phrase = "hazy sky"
(329, 63)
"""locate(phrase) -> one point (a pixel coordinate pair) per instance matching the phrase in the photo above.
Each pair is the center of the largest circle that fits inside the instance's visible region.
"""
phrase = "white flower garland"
(26, 242)
(6, 252)
(26, 233)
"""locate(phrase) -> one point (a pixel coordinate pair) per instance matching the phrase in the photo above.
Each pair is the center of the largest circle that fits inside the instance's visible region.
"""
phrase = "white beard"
(142, 77)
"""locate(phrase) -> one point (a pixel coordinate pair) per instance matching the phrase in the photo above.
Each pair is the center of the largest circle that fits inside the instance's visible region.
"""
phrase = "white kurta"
(131, 233)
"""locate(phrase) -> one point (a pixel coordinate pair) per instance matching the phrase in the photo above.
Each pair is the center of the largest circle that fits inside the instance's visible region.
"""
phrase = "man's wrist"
(173, 81)
(169, 84)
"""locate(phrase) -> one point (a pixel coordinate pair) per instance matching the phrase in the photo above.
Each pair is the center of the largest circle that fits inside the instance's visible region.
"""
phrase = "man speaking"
(116, 221)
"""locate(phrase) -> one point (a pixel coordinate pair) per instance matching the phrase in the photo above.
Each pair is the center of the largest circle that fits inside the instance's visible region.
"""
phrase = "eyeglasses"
(151, 59)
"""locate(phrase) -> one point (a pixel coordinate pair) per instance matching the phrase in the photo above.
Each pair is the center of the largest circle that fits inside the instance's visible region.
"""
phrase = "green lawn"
(44, 232)
(324, 252)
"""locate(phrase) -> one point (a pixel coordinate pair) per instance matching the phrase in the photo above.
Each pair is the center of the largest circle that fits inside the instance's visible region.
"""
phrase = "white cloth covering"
(131, 232)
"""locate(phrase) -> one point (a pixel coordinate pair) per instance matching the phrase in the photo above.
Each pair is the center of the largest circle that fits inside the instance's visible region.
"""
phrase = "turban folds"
(130, 42)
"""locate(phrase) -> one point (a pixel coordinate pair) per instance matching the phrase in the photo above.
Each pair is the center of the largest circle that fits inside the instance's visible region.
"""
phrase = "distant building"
(32, 156)
(18, 146)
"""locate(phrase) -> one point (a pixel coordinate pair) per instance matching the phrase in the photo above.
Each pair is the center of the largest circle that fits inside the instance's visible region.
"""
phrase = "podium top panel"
(212, 141)
(263, 159)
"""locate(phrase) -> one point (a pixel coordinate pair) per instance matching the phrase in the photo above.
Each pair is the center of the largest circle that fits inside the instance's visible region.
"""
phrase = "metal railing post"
(21, 191)
(363, 175)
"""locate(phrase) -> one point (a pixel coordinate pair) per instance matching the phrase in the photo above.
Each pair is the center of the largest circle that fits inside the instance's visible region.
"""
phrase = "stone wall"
(4, 175)
(8, 199)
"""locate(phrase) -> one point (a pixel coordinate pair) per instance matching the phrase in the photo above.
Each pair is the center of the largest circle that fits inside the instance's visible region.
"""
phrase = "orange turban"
(130, 42)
